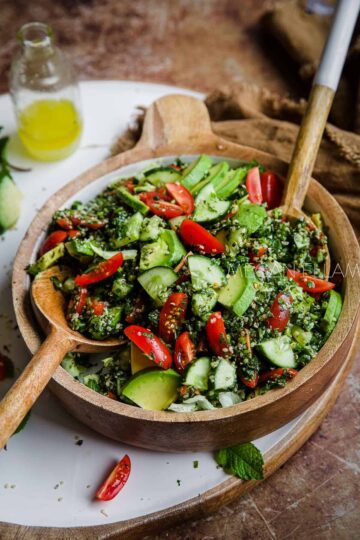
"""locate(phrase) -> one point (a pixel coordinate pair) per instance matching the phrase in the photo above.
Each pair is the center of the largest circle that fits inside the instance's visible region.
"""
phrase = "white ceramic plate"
(46, 479)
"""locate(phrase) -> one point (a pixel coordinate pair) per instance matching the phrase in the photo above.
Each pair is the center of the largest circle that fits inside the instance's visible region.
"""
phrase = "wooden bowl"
(175, 126)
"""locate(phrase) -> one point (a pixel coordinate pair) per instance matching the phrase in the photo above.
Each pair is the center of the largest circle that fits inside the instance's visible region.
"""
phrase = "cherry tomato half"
(115, 481)
(199, 238)
(182, 196)
(184, 352)
(280, 312)
(271, 189)
(216, 335)
(310, 284)
(150, 345)
(81, 300)
(251, 383)
(172, 316)
(97, 306)
(70, 222)
(253, 185)
(278, 372)
(103, 270)
(159, 207)
(55, 238)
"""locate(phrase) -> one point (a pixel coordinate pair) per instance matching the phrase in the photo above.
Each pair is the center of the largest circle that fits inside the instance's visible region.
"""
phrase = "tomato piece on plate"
(184, 352)
(172, 316)
(199, 238)
(253, 186)
(310, 284)
(115, 481)
(216, 335)
(159, 207)
(150, 344)
(271, 189)
(251, 383)
(182, 196)
(280, 312)
(273, 374)
(103, 270)
(53, 240)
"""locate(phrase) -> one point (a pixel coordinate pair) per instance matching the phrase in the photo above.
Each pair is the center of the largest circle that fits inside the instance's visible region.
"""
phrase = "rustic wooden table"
(203, 44)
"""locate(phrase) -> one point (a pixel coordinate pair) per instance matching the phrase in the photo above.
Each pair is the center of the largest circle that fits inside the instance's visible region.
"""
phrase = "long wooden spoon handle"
(319, 104)
(32, 381)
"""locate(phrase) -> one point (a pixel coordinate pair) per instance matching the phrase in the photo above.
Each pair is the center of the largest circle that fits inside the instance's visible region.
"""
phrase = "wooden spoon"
(50, 310)
(319, 104)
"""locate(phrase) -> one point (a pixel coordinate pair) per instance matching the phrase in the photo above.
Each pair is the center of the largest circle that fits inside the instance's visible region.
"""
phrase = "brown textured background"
(203, 44)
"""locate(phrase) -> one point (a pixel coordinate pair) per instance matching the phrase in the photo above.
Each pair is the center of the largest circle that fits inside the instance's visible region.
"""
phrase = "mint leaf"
(242, 460)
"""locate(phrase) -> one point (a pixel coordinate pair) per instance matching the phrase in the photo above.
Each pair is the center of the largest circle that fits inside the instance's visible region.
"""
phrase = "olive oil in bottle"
(45, 95)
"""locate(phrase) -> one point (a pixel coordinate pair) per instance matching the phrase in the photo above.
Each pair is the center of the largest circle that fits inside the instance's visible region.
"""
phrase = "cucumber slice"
(132, 229)
(163, 175)
(231, 182)
(239, 291)
(230, 292)
(215, 176)
(205, 273)
(225, 375)
(278, 351)
(208, 207)
(332, 312)
(198, 373)
(175, 222)
(48, 259)
(202, 303)
(175, 247)
(151, 228)
(196, 171)
(10, 203)
(157, 281)
(132, 200)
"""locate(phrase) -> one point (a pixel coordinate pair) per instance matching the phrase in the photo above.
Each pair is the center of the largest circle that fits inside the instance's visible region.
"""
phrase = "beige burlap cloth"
(258, 118)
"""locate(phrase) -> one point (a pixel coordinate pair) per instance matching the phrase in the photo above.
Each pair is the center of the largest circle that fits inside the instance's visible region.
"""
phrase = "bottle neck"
(36, 40)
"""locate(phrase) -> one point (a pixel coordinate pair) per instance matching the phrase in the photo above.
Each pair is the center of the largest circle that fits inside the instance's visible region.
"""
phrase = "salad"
(217, 296)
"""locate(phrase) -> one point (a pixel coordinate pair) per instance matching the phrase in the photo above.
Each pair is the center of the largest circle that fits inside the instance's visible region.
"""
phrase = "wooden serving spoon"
(50, 311)
(317, 111)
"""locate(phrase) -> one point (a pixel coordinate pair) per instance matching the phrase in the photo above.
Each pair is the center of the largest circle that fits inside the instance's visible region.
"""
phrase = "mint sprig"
(242, 460)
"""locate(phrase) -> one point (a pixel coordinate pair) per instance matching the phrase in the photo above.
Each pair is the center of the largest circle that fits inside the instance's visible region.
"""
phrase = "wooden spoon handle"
(32, 381)
(174, 121)
(306, 147)
(319, 104)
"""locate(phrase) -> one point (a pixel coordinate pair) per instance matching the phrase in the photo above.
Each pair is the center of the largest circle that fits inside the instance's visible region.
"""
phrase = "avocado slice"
(139, 361)
(10, 202)
(48, 259)
(153, 389)
(196, 171)
(132, 200)
(239, 291)
(176, 249)
(332, 312)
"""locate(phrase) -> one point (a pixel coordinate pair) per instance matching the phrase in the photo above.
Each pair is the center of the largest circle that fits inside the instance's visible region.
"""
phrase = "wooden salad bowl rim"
(178, 125)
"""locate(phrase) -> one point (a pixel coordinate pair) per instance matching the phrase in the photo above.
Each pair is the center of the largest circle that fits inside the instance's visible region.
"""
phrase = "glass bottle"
(46, 96)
